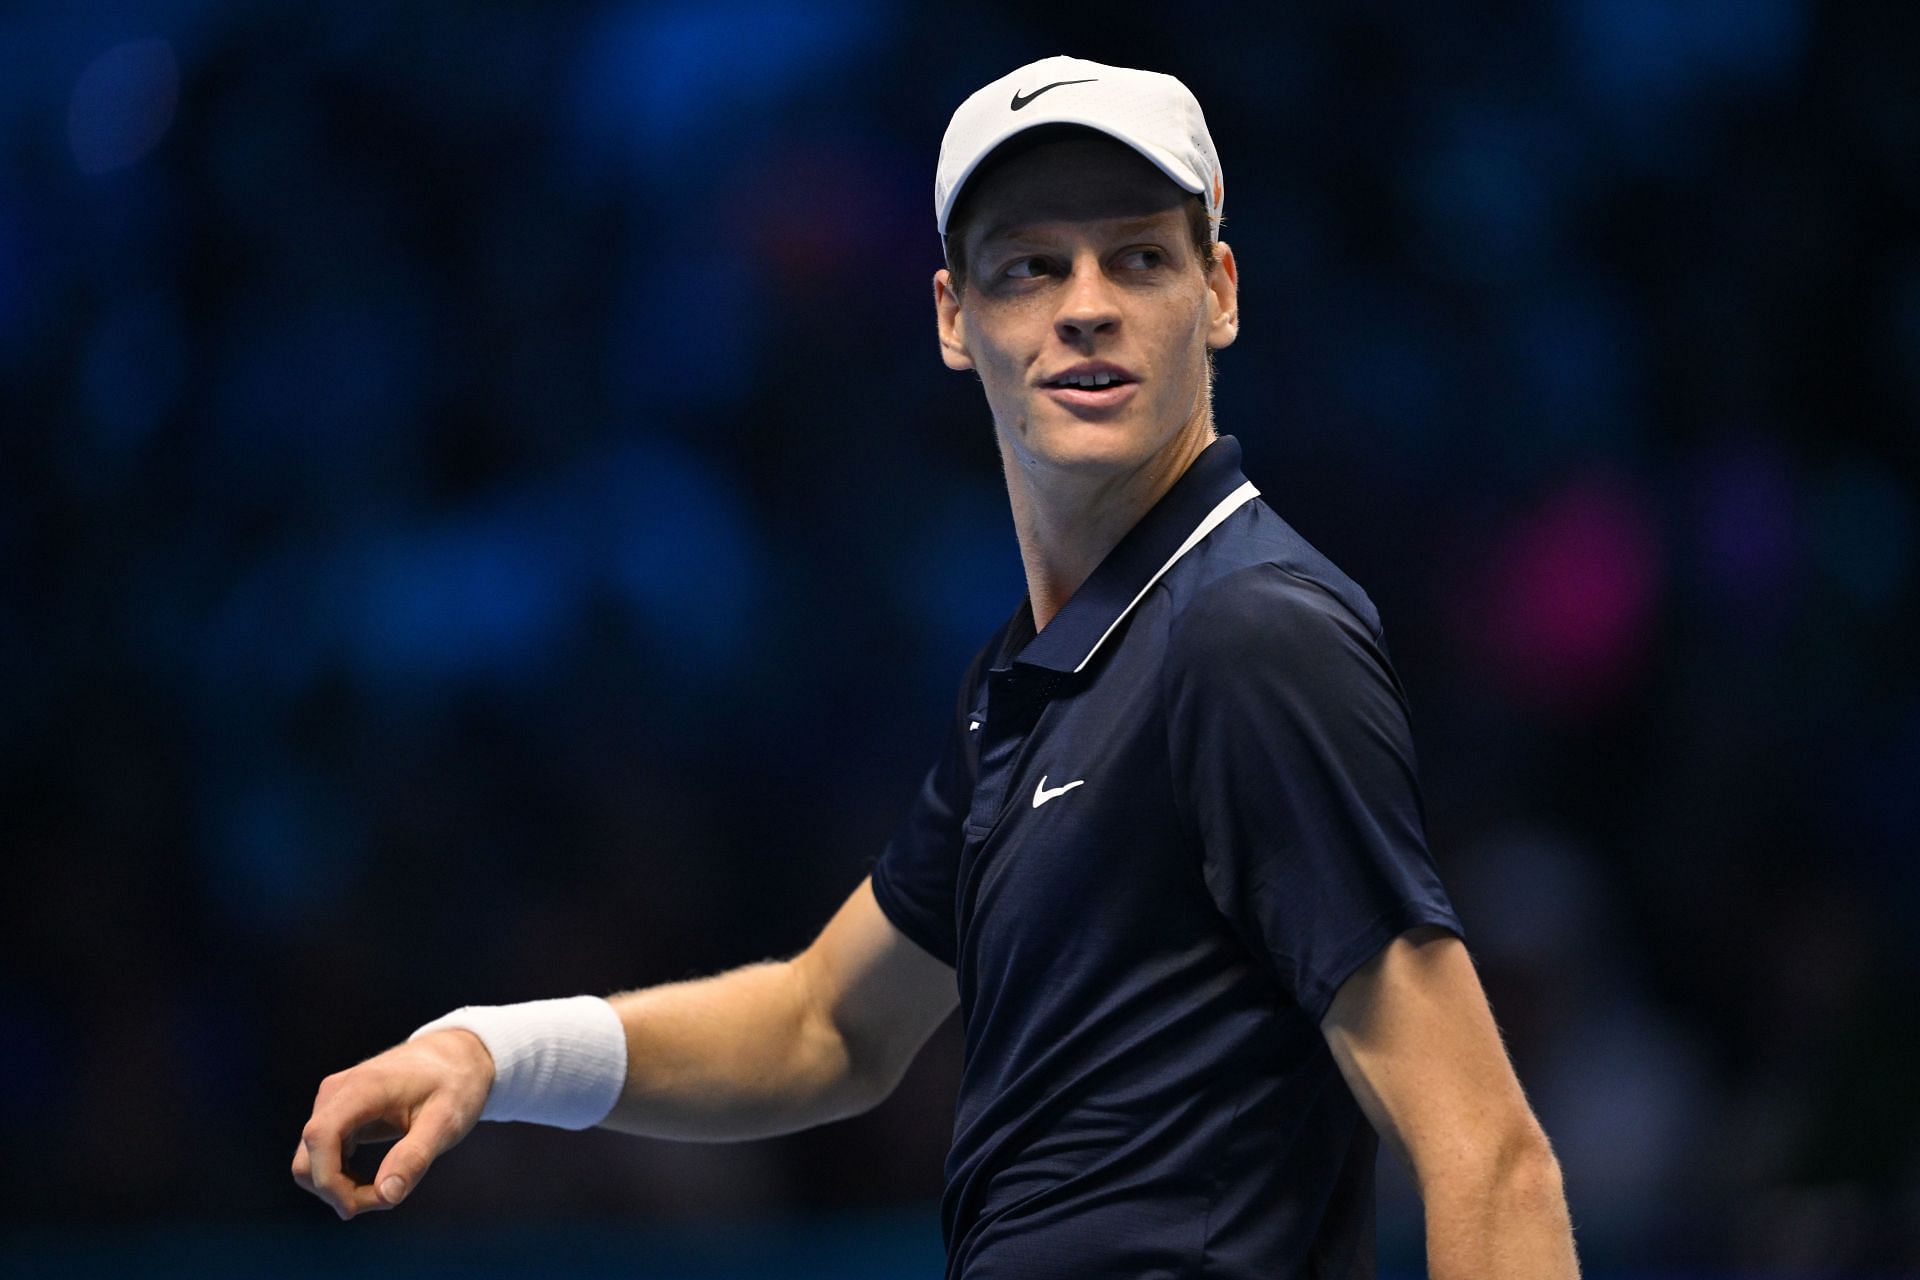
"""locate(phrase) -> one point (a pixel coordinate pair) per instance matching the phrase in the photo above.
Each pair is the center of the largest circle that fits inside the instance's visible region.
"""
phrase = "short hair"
(1198, 225)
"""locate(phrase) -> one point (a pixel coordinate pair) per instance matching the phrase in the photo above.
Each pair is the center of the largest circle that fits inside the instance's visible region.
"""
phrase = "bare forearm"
(741, 1054)
(1505, 1223)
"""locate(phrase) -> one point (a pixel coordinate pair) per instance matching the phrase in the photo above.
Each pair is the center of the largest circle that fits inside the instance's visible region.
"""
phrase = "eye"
(1147, 258)
(1014, 268)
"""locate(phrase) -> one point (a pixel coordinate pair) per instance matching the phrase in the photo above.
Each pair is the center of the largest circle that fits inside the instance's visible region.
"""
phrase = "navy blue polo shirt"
(1159, 836)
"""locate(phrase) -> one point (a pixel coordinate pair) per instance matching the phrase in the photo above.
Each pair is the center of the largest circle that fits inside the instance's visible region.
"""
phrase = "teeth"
(1089, 379)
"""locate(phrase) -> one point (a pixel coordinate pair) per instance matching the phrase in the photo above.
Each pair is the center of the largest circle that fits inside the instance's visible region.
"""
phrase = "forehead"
(1073, 179)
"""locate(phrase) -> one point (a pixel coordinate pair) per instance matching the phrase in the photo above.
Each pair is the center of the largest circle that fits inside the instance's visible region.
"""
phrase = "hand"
(428, 1093)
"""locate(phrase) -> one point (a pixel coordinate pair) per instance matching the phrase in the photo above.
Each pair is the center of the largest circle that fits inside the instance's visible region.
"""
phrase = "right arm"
(781, 1045)
(764, 1049)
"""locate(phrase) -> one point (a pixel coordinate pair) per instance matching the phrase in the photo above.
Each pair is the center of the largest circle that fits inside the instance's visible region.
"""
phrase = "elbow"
(1501, 1210)
(1532, 1181)
(874, 1071)
(1523, 1176)
(845, 1076)
(1515, 1170)
(869, 1089)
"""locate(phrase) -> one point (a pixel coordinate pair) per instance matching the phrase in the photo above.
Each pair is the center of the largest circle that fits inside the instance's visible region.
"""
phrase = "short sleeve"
(915, 876)
(1292, 749)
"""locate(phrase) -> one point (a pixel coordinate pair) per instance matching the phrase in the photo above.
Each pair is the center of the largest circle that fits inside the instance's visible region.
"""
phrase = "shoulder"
(1266, 615)
(1264, 620)
(1256, 571)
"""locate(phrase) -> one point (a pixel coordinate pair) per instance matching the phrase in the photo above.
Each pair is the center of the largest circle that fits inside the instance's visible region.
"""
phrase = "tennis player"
(1171, 861)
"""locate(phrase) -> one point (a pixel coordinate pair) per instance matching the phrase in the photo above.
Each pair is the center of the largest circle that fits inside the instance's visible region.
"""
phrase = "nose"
(1088, 306)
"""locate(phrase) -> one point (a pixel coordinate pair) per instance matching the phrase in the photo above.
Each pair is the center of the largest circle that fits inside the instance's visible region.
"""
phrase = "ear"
(952, 323)
(1223, 298)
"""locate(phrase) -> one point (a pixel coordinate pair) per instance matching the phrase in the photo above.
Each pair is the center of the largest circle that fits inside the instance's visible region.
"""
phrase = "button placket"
(1015, 702)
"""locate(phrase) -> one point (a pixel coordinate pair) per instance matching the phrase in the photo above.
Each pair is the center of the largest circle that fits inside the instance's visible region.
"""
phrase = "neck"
(1068, 519)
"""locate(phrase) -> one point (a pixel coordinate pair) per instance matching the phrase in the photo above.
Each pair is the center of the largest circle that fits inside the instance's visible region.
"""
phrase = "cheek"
(995, 361)
(1181, 342)
(999, 380)
(1195, 338)
(996, 373)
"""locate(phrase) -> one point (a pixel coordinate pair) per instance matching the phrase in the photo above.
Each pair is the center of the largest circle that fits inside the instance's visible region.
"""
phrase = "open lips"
(1092, 374)
(1095, 384)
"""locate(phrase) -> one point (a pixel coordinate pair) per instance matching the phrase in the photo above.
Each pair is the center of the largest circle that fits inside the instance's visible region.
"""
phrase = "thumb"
(433, 1132)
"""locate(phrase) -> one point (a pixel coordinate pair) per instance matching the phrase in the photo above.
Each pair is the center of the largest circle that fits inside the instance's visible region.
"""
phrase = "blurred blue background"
(482, 517)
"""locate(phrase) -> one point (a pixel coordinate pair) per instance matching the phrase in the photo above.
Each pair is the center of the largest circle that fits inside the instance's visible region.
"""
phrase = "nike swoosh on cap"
(1020, 101)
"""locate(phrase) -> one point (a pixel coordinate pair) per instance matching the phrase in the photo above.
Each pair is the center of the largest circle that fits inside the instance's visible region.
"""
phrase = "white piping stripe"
(1228, 505)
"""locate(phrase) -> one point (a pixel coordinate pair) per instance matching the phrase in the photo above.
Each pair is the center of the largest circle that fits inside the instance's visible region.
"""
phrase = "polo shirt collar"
(1207, 492)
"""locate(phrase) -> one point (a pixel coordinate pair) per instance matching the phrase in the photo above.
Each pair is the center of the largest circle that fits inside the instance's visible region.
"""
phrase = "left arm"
(1414, 1038)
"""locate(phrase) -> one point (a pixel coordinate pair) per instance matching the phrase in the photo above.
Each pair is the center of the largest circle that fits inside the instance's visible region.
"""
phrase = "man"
(1171, 861)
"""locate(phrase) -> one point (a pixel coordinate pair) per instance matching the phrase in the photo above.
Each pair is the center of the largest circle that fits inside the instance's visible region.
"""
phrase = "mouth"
(1095, 385)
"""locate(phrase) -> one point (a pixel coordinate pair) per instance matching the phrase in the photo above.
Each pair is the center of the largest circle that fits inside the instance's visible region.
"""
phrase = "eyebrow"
(1007, 230)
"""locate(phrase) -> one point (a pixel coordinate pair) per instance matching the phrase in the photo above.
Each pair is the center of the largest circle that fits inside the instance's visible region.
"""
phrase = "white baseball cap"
(1150, 111)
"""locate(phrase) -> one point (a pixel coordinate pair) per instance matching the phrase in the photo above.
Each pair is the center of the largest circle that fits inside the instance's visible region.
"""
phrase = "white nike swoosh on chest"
(1041, 795)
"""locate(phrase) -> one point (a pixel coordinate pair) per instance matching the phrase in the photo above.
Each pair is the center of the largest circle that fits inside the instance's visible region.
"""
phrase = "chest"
(1076, 856)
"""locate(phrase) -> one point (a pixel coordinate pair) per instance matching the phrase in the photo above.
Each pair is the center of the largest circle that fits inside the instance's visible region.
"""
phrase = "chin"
(1061, 440)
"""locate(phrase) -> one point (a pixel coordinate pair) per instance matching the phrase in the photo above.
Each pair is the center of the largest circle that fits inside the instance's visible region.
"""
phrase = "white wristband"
(559, 1062)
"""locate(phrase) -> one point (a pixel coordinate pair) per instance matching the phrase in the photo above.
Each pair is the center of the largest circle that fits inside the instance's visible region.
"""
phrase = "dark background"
(482, 517)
